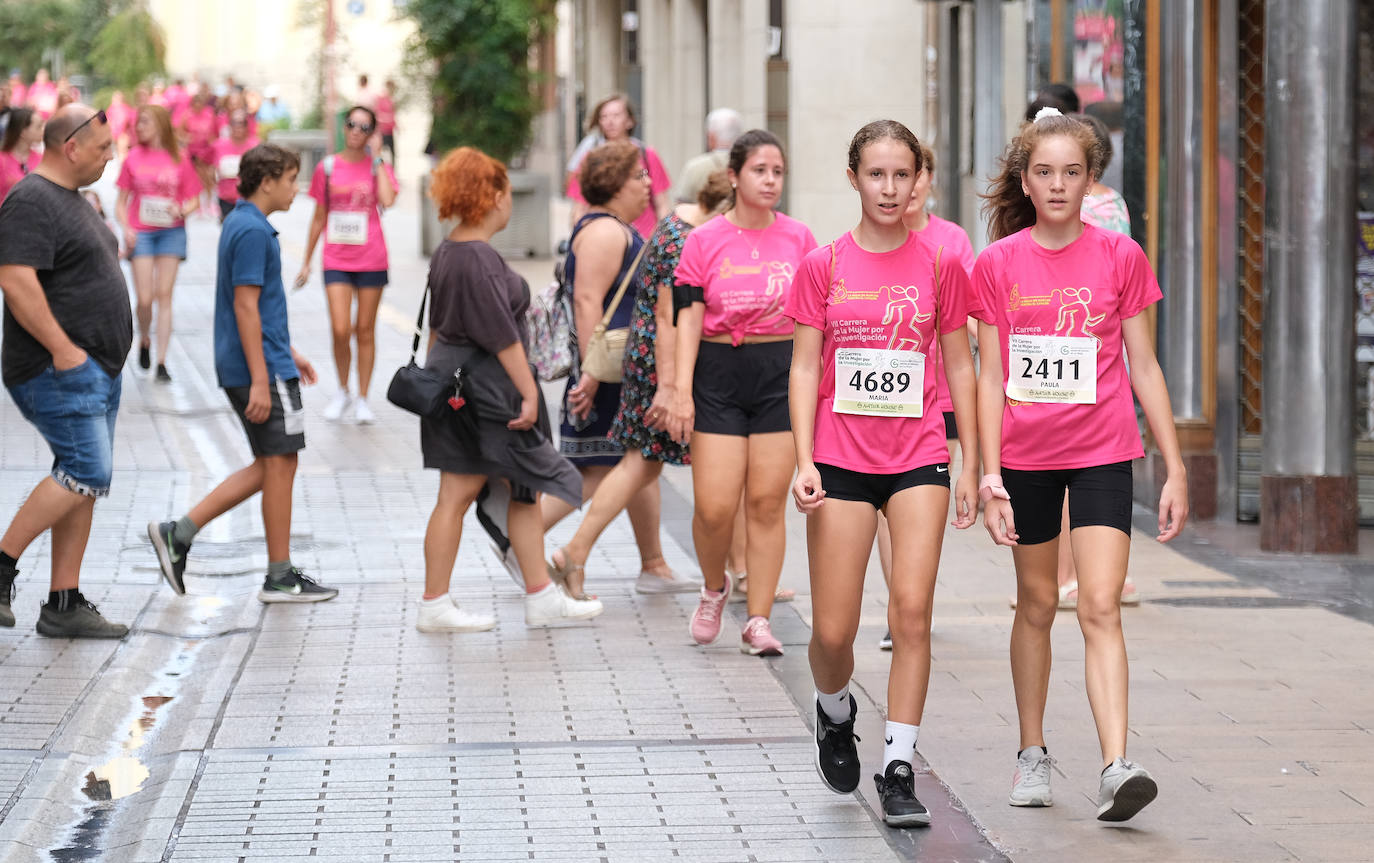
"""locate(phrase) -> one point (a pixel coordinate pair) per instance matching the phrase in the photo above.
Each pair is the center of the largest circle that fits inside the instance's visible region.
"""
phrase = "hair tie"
(1047, 111)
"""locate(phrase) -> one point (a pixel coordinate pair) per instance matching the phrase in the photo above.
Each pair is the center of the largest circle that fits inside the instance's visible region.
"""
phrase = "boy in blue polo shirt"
(261, 374)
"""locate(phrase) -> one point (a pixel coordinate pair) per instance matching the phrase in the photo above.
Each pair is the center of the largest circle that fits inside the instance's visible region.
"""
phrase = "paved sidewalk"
(222, 729)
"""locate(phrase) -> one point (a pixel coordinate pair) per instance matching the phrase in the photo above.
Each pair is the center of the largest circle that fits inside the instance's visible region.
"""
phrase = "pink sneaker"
(757, 639)
(705, 626)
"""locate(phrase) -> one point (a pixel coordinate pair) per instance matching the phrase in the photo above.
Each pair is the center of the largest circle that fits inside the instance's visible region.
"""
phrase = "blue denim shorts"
(170, 242)
(75, 412)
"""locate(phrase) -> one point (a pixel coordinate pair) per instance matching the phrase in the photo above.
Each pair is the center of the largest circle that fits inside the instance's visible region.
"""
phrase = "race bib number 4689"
(872, 382)
(1058, 369)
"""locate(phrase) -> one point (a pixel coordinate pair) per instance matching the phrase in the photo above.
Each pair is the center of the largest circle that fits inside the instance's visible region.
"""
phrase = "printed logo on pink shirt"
(779, 276)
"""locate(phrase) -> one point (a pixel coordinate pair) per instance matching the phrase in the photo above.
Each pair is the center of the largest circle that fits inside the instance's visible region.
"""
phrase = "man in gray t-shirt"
(67, 330)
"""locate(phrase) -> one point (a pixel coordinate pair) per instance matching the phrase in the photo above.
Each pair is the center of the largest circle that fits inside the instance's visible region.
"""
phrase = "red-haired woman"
(476, 324)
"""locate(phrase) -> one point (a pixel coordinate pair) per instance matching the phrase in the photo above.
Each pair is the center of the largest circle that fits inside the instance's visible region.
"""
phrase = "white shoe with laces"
(362, 412)
(442, 614)
(337, 405)
(553, 605)
(1030, 784)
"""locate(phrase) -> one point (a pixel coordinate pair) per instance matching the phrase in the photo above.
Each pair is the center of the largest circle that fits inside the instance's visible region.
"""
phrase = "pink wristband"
(990, 486)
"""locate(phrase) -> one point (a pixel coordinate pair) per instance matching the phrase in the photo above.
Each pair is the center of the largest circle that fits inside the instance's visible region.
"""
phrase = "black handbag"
(423, 391)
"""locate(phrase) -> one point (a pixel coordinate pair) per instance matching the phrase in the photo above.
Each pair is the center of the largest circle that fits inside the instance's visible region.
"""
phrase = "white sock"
(899, 744)
(441, 599)
(836, 706)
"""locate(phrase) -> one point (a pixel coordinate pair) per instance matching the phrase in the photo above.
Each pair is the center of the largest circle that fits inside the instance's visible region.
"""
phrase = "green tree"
(475, 56)
(29, 28)
(130, 48)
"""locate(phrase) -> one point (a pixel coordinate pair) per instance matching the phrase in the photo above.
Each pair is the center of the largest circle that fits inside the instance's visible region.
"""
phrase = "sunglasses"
(358, 127)
(98, 115)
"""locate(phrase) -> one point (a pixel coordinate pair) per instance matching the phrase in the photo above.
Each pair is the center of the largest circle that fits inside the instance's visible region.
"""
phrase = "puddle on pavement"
(124, 774)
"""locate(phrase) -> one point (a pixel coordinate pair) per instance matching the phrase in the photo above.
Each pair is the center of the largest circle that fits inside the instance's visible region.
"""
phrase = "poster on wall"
(1099, 51)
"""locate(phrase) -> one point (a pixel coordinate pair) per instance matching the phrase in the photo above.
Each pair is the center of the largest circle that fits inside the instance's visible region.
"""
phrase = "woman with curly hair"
(646, 391)
(477, 325)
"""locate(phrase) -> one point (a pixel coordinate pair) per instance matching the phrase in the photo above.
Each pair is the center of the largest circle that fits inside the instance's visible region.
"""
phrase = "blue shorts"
(168, 242)
(75, 412)
(363, 279)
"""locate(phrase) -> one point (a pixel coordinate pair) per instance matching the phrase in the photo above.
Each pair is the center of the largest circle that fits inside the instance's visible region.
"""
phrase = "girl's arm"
(1147, 379)
(997, 514)
(316, 228)
(803, 391)
(386, 190)
(688, 344)
(960, 376)
(665, 359)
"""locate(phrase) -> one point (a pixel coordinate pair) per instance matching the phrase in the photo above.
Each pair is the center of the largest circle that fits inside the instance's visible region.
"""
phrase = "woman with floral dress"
(638, 425)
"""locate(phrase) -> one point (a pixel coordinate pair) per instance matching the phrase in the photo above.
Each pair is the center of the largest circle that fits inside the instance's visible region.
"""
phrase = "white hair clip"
(1047, 111)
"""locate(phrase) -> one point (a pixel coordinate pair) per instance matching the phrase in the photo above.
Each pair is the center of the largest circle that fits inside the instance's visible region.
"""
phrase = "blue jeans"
(75, 412)
(163, 242)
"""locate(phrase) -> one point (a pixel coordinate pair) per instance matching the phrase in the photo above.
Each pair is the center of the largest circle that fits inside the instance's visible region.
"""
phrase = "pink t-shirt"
(958, 250)
(1085, 290)
(121, 119)
(352, 215)
(12, 171)
(744, 275)
(156, 182)
(201, 129)
(658, 180)
(42, 98)
(884, 301)
(386, 114)
(224, 155)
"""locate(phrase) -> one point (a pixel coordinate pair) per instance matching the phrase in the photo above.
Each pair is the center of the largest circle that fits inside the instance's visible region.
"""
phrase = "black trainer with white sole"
(837, 758)
(897, 791)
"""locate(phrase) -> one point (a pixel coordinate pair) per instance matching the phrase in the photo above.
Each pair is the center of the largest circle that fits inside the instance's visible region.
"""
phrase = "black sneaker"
(171, 555)
(145, 357)
(897, 791)
(295, 587)
(837, 759)
(81, 620)
(162, 376)
(7, 577)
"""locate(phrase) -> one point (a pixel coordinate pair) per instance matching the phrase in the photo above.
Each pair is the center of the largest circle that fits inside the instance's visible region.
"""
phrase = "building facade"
(1246, 152)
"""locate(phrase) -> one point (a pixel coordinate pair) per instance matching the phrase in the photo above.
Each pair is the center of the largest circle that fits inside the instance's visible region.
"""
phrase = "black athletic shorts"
(878, 488)
(283, 433)
(360, 279)
(1097, 496)
(742, 390)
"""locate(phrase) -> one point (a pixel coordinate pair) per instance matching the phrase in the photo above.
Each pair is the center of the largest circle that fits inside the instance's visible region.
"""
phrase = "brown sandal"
(559, 576)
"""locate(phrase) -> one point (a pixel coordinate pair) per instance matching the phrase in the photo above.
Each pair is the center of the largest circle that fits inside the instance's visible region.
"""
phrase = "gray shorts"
(283, 433)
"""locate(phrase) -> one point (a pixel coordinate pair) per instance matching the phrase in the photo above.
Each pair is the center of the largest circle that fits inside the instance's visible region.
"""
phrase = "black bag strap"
(419, 324)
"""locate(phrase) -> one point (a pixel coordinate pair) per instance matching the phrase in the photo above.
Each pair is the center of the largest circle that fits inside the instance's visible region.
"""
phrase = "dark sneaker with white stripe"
(81, 619)
(171, 555)
(837, 758)
(7, 577)
(897, 791)
(296, 586)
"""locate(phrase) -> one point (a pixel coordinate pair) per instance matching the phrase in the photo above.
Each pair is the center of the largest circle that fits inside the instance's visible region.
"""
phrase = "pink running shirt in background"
(11, 171)
(225, 156)
(885, 301)
(352, 207)
(1085, 289)
(744, 275)
(646, 221)
(958, 251)
(156, 183)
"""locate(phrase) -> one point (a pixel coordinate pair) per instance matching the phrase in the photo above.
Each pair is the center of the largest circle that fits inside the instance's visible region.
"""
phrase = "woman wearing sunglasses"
(349, 215)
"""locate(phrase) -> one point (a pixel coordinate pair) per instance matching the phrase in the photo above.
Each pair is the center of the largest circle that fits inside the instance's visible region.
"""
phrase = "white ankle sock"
(836, 706)
(899, 742)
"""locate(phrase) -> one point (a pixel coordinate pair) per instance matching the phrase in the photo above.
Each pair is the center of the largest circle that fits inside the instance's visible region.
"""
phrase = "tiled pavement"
(226, 730)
